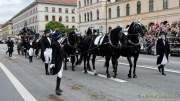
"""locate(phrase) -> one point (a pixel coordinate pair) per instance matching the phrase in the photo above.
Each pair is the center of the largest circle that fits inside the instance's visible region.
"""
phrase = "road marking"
(26, 95)
(104, 76)
(147, 67)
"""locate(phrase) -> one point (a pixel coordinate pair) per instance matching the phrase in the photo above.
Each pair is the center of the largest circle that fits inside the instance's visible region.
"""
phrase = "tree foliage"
(58, 26)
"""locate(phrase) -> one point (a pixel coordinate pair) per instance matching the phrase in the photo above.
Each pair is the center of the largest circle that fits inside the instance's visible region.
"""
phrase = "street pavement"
(77, 86)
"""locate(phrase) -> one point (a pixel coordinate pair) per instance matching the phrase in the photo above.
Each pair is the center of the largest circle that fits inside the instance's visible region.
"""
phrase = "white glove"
(52, 65)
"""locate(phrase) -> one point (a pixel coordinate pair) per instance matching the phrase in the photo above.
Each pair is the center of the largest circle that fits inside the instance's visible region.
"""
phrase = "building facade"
(0, 32)
(40, 12)
(103, 14)
(6, 30)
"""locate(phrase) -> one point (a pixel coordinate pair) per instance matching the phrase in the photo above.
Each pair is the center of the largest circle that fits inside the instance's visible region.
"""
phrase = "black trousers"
(30, 58)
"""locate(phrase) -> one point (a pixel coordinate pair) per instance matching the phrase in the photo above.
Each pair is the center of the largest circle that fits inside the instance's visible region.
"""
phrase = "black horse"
(70, 43)
(131, 46)
(101, 45)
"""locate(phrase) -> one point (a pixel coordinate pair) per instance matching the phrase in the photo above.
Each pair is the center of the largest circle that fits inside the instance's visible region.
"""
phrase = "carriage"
(26, 35)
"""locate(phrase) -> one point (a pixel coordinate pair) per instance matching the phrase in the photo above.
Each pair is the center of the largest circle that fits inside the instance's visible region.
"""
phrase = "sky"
(9, 8)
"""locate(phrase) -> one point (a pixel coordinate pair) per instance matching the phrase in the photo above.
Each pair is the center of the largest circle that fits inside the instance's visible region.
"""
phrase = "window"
(80, 18)
(60, 19)
(151, 5)
(91, 2)
(138, 7)
(73, 11)
(97, 14)
(60, 10)
(88, 16)
(46, 9)
(118, 11)
(73, 19)
(91, 16)
(84, 17)
(53, 18)
(87, 2)
(67, 19)
(66, 11)
(46, 18)
(53, 10)
(127, 10)
(36, 19)
(79, 3)
(97, 1)
(109, 12)
(84, 2)
(165, 4)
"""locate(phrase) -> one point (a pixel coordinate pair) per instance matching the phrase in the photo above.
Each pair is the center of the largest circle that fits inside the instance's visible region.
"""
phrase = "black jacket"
(57, 57)
(162, 50)
(10, 45)
(45, 43)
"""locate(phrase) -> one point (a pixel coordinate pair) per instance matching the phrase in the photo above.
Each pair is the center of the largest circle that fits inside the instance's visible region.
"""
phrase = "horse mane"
(131, 28)
(89, 31)
(114, 35)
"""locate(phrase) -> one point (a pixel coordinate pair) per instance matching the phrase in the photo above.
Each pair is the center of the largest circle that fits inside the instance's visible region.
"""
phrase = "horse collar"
(135, 44)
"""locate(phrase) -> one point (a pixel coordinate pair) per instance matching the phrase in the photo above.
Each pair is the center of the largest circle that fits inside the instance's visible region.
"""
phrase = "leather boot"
(46, 69)
(163, 71)
(160, 68)
(58, 90)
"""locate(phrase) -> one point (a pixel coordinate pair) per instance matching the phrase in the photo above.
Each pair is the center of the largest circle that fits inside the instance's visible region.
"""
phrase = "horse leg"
(130, 65)
(107, 66)
(85, 59)
(65, 63)
(115, 64)
(88, 64)
(135, 62)
(72, 61)
(77, 59)
(93, 63)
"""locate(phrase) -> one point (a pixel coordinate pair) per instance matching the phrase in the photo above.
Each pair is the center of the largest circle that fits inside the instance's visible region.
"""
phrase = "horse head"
(135, 31)
(89, 32)
(116, 35)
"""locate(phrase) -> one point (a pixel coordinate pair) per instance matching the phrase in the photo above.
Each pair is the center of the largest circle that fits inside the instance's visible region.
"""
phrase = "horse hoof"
(114, 76)
(108, 76)
(129, 76)
(90, 70)
(65, 69)
(85, 72)
(95, 74)
(73, 70)
(135, 76)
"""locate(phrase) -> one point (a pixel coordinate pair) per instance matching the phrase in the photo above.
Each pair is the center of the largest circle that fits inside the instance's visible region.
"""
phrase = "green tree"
(56, 26)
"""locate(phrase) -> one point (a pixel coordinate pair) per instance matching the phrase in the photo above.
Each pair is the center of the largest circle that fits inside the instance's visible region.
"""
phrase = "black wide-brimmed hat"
(56, 35)
(47, 31)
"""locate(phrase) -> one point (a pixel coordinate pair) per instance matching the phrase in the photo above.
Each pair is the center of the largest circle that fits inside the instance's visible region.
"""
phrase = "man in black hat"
(57, 63)
(10, 45)
(47, 49)
(163, 51)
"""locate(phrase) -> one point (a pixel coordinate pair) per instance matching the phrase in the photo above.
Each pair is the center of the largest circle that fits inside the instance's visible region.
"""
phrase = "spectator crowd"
(172, 32)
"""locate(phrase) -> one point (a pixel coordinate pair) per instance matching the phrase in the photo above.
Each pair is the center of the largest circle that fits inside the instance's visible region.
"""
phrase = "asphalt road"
(77, 86)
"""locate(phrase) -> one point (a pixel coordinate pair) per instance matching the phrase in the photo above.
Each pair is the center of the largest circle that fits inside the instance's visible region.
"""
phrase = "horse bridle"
(135, 44)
